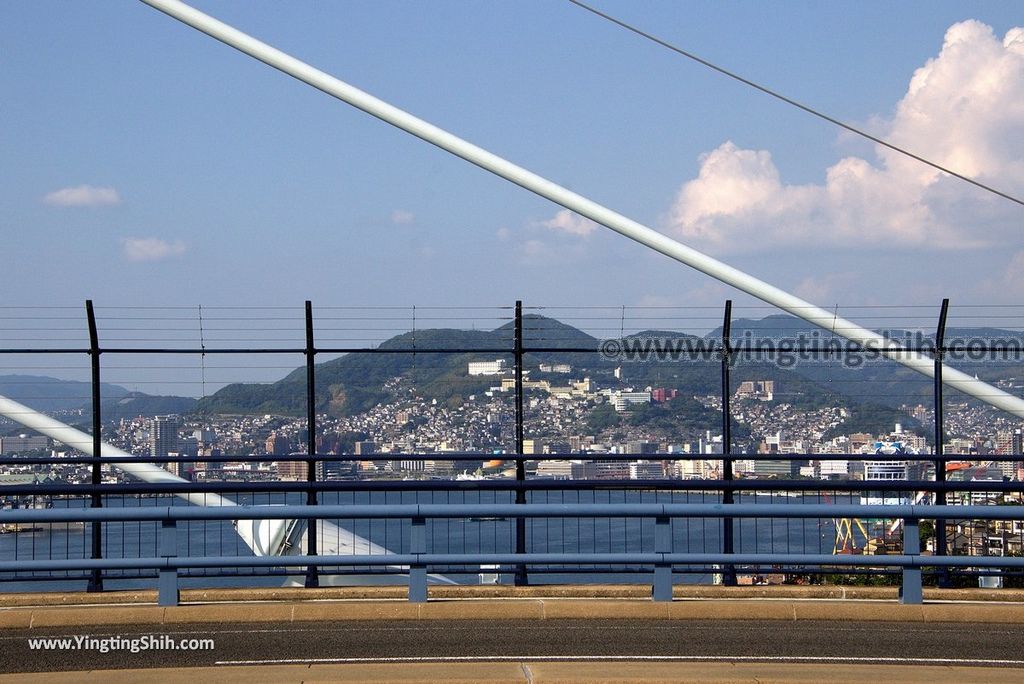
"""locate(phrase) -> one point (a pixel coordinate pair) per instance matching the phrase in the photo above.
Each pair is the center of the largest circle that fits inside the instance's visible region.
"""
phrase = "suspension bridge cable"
(790, 101)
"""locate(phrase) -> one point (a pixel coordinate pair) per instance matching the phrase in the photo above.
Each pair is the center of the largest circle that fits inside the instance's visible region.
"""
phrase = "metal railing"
(727, 488)
(419, 559)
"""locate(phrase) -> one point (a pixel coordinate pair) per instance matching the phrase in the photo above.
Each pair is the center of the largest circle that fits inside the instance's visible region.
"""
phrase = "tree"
(602, 418)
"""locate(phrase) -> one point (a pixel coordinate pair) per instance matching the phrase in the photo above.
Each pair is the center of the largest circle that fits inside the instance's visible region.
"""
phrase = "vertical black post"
(96, 576)
(520, 576)
(729, 571)
(940, 461)
(312, 578)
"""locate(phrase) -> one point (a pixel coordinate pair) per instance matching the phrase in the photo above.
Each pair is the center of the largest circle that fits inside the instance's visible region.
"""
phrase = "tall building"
(533, 446)
(21, 443)
(290, 470)
(660, 395)
(832, 469)
(212, 469)
(334, 470)
(641, 447)
(555, 368)
(559, 470)
(163, 439)
(1008, 443)
(647, 470)
(366, 448)
(278, 445)
(600, 470)
(496, 367)
(623, 400)
(756, 389)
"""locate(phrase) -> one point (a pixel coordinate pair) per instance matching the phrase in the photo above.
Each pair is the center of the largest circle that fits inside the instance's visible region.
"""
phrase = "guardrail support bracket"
(167, 585)
(418, 572)
(662, 589)
(911, 591)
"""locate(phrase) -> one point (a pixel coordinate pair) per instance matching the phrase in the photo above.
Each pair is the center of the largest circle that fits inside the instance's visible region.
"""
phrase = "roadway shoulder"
(511, 609)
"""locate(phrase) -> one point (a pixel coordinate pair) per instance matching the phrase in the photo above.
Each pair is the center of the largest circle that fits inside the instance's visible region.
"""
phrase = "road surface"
(465, 641)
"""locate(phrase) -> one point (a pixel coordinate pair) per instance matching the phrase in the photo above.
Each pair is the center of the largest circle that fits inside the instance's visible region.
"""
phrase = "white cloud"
(152, 249)
(83, 196)
(571, 223)
(703, 292)
(553, 244)
(401, 217)
(537, 253)
(831, 287)
(963, 109)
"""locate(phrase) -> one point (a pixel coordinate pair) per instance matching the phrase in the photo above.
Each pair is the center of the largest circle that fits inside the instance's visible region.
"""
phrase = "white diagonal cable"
(649, 237)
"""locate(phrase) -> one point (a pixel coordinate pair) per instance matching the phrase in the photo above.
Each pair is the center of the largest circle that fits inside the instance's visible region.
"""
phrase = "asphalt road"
(517, 640)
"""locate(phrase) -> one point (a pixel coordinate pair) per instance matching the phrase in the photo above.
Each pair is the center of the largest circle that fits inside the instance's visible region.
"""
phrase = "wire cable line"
(790, 101)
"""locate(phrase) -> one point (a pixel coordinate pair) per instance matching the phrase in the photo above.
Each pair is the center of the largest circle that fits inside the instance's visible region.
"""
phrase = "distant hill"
(880, 381)
(356, 382)
(774, 326)
(138, 404)
(541, 331)
(50, 395)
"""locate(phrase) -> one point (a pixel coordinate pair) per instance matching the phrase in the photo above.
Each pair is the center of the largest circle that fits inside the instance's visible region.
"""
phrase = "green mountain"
(877, 380)
(541, 331)
(873, 392)
(51, 395)
(355, 382)
(138, 404)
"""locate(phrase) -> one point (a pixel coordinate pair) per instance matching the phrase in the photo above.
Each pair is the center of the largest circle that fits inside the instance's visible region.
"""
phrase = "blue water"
(604, 535)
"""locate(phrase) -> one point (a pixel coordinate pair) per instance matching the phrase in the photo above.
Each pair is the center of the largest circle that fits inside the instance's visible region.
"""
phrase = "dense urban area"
(579, 423)
(576, 418)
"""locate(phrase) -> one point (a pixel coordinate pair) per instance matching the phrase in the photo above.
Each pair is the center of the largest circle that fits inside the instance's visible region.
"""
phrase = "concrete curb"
(618, 591)
(509, 609)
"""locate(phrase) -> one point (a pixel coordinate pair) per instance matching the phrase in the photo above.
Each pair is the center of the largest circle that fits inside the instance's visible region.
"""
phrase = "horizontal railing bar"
(404, 560)
(698, 349)
(679, 568)
(751, 486)
(490, 456)
(606, 510)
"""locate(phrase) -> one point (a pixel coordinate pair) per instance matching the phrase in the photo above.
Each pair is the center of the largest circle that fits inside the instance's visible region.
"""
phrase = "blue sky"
(146, 164)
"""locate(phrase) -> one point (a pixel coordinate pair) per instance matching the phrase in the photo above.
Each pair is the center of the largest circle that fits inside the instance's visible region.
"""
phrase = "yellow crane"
(846, 537)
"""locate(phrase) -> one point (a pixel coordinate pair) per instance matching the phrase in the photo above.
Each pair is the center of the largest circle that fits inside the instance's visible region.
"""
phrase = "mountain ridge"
(354, 382)
(52, 395)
